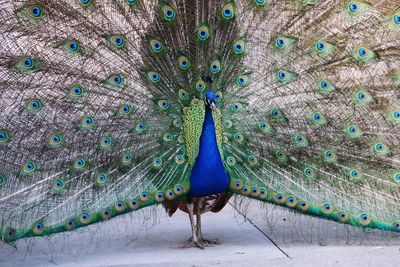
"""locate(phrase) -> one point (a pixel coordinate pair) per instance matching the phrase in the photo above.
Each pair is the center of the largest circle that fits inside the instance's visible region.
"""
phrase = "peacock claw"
(191, 244)
(210, 242)
(206, 242)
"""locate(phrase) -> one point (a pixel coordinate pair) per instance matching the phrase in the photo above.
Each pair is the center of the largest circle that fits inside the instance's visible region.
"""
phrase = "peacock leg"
(199, 233)
(194, 241)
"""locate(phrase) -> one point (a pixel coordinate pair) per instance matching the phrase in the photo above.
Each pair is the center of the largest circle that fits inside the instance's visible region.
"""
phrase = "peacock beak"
(210, 103)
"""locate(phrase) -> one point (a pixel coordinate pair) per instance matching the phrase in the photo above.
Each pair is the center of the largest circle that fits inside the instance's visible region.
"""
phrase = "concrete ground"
(132, 241)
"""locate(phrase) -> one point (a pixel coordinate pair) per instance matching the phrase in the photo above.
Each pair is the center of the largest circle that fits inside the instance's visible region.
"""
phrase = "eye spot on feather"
(379, 149)
(87, 122)
(203, 33)
(279, 198)
(227, 124)
(238, 137)
(396, 19)
(303, 205)
(327, 208)
(159, 196)
(179, 159)
(85, 3)
(245, 190)
(309, 173)
(215, 66)
(239, 46)
(228, 11)
(153, 76)
(4, 137)
(3, 180)
(106, 142)
(101, 179)
(29, 167)
(70, 224)
(396, 226)
(200, 85)
(183, 63)
(117, 41)
(236, 184)
(329, 156)
(38, 228)
(79, 164)
(134, 204)
(230, 161)
(157, 162)
(127, 158)
(353, 7)
(156, 46)
(280, 155)
(170, 194)
(163, 104)
(236, 106)
(144, 196)
(252, 160)
(58, 186)
(85, 217)
(262, 193)
(36, 11)
(140, 127)
(119, 205)
(364, 219)
(342, 216)
(76, 91)
(131, 2)
(179, 190)
(169, 14)
(10, 233)
(167, 137)
(34, 105)
(106, 214)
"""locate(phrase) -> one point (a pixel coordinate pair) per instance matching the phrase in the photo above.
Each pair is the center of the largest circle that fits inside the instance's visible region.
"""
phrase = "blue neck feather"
(208, 173)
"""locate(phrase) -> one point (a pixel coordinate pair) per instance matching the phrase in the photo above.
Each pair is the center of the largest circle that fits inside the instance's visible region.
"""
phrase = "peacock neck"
(208, 173)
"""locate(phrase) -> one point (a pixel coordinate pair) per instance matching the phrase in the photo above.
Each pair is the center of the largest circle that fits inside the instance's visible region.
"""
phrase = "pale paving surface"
(139, 245)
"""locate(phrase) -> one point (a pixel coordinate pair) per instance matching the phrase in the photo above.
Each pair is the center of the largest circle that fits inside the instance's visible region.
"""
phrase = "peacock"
(108, 107)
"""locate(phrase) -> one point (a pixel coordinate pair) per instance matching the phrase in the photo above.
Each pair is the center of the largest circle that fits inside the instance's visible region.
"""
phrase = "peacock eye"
(200, 85)
(85, 3)
(280, 42)
(153, 76)
(362, 52)
(239, 46)
(215, 66)
(260, 2)
(396, 19)
(36, 11)
(228, 11)
(320, 45)
(4, 136)
(163, 104)
(203, 33)
(183, 62)
(353, 7)
(168, 13)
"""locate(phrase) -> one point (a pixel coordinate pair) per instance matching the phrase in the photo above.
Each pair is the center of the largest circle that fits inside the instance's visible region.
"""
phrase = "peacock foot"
(205, 242)
(191, 244)
(209, 241)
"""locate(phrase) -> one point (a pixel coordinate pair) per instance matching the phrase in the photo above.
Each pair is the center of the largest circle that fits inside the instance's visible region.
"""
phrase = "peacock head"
(210, 100)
